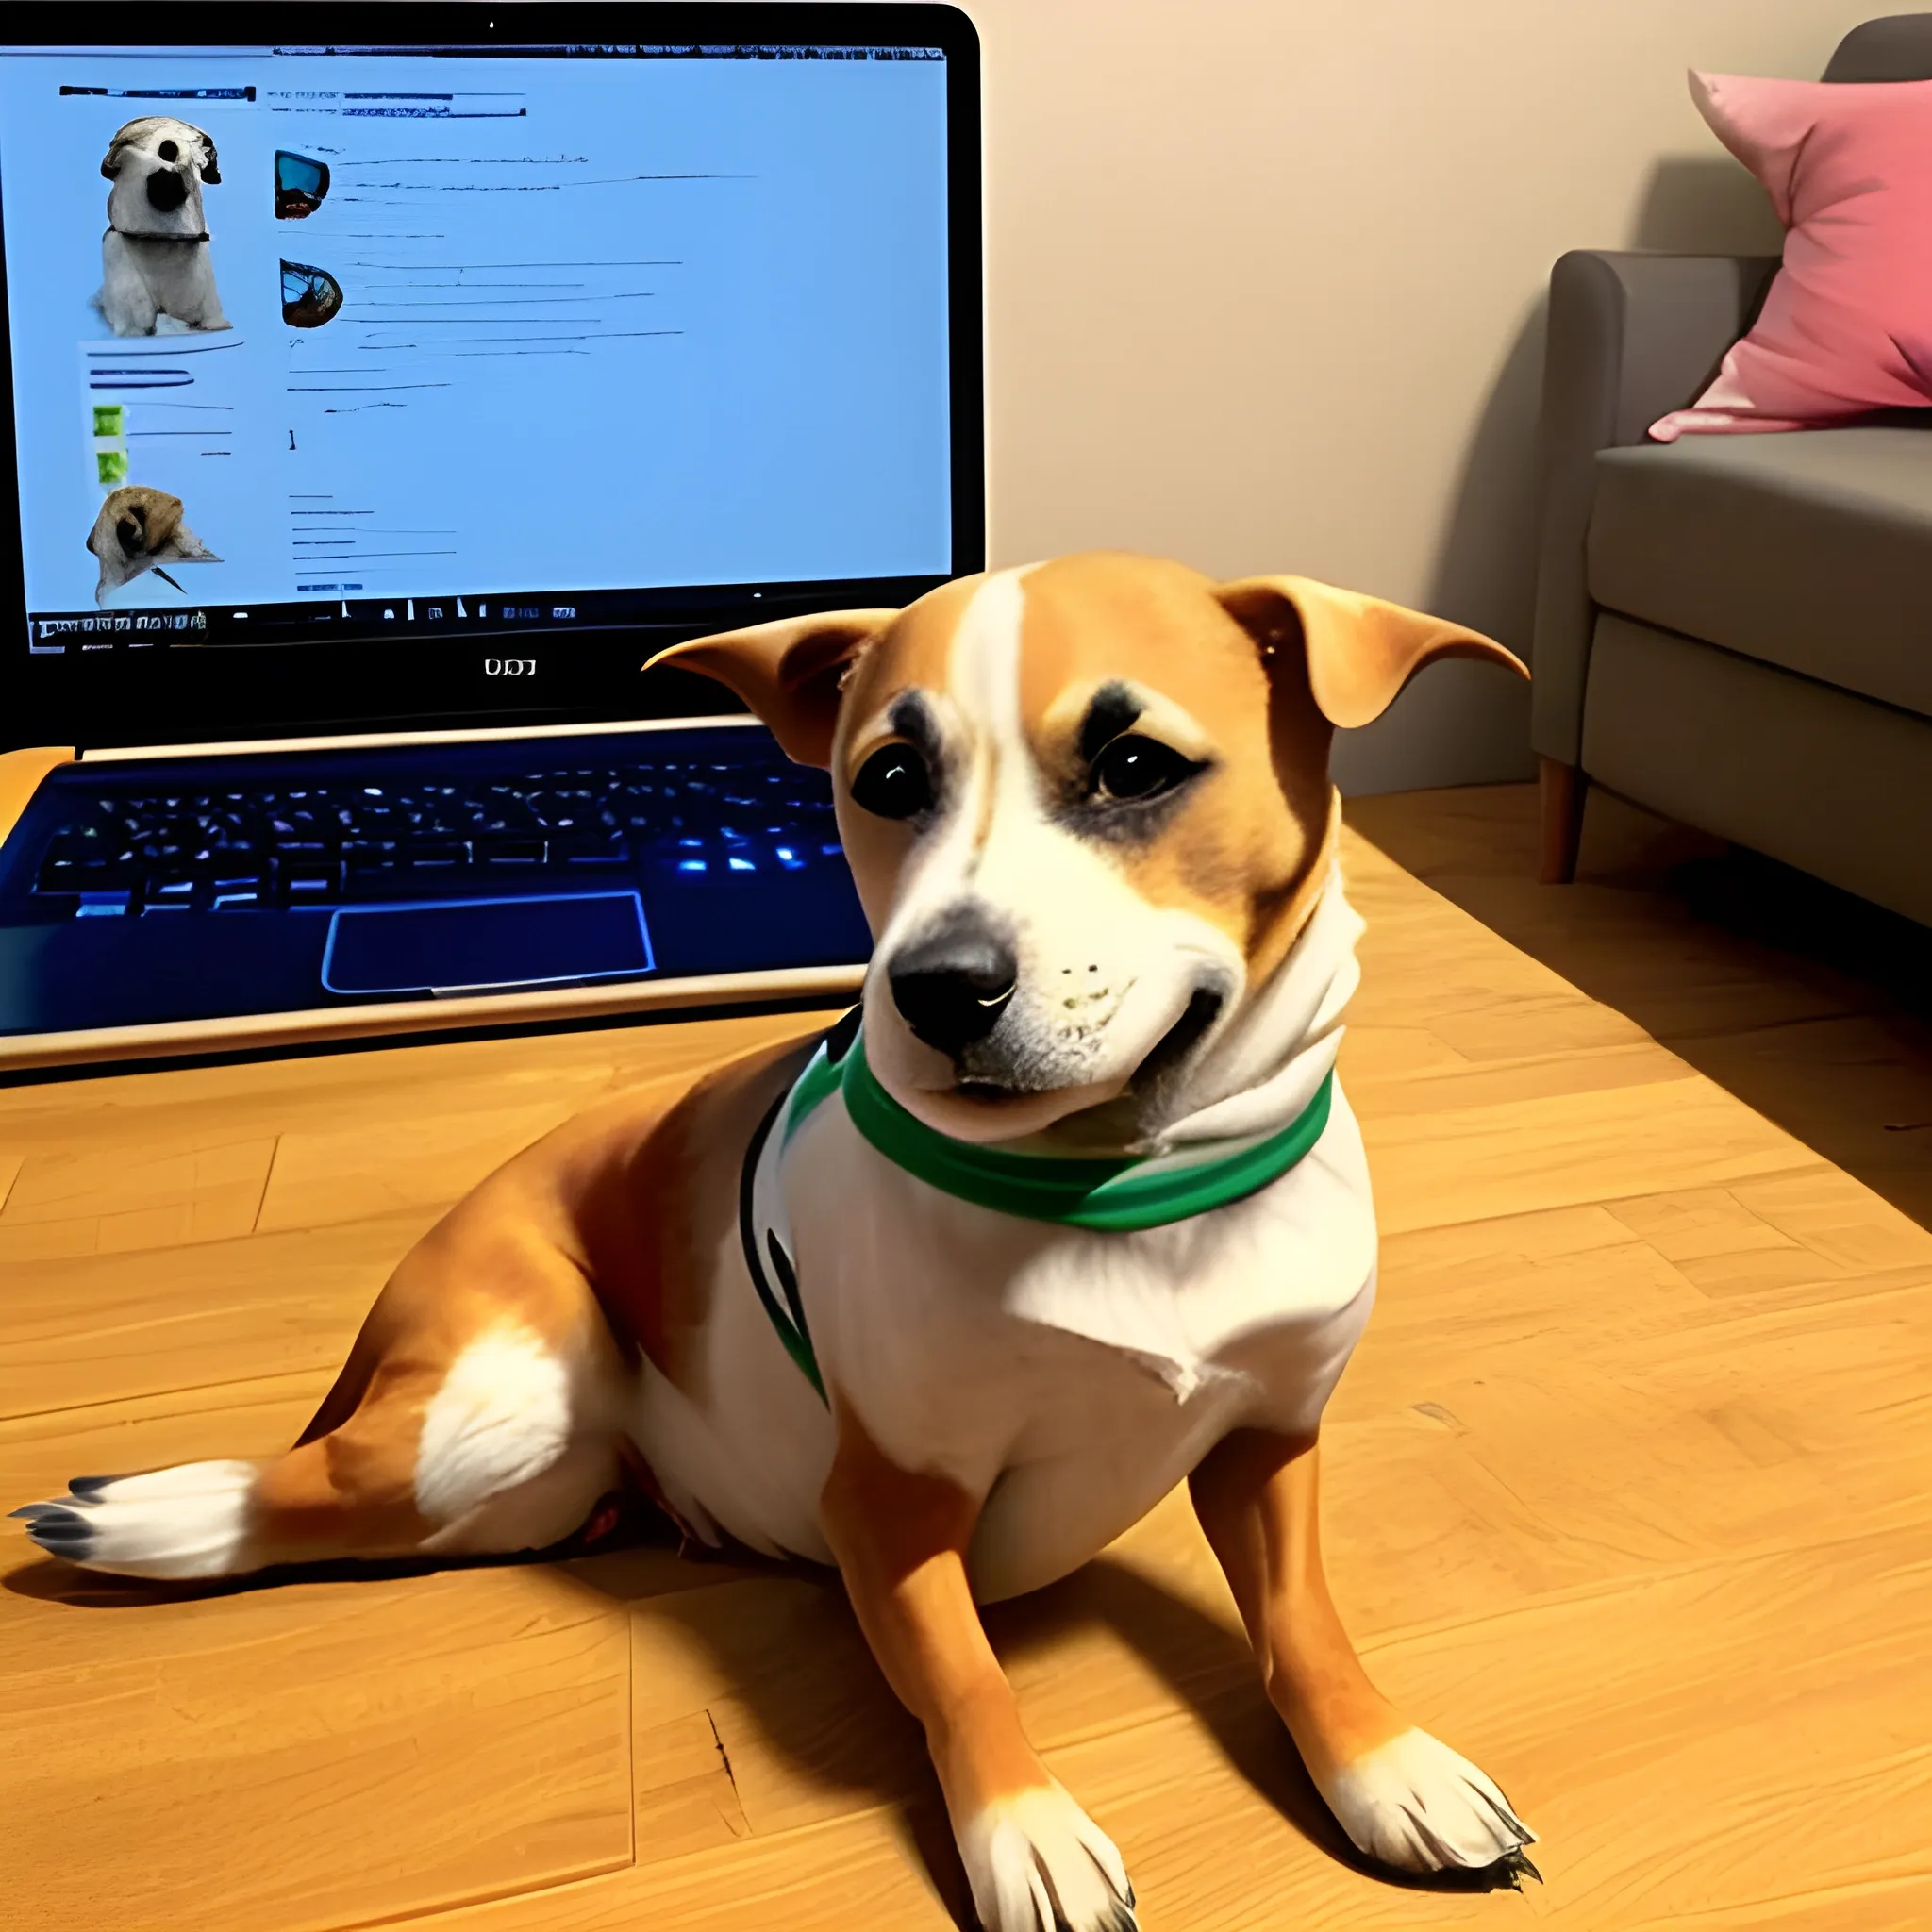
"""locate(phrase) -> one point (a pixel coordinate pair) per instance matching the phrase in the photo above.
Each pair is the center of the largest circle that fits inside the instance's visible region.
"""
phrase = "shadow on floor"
(804, 1685)
(1811, 1006)
(837, 1728)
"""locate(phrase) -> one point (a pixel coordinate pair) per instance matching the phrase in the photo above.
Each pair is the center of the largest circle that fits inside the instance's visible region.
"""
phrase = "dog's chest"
(1071, 1377)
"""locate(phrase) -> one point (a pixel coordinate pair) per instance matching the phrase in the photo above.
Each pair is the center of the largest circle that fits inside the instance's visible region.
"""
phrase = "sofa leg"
(1562, 789)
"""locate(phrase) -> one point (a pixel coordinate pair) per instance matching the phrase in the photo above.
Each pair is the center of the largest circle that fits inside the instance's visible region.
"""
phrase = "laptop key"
(448, 855)
(167, 893)
(500, 850)
(79, 862)
(588, 849)
(308, 884)
(371, 861)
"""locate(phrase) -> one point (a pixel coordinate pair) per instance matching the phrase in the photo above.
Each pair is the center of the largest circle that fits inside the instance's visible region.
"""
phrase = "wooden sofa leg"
(1563, 788)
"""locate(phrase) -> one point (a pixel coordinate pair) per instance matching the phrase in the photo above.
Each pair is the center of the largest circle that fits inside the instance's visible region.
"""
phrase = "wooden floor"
(1813, 1006)
(1628, 1497)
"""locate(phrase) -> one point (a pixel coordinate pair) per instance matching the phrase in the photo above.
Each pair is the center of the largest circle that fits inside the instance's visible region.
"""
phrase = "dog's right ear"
(790, 672)
(111, 163)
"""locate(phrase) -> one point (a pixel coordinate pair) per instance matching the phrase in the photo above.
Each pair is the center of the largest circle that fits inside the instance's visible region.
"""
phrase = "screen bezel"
(360, 680)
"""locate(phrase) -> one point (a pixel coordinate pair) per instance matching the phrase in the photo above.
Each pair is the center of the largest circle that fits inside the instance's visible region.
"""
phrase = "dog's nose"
(166, 190)
(953, 986)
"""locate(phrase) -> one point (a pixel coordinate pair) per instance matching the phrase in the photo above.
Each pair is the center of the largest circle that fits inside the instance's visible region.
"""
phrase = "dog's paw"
(1037, 1863)
(186, 1522)
(1413, 1804)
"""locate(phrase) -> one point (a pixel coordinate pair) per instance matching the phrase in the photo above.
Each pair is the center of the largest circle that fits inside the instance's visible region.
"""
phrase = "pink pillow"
(1847, 325)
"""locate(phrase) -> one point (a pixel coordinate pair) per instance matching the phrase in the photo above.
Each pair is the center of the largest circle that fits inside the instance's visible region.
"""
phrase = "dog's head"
(1086, 807)
(137, 529)
(158, 166)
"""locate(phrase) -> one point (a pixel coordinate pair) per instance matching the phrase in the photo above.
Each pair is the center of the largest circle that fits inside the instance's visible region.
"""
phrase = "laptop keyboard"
(270, 848)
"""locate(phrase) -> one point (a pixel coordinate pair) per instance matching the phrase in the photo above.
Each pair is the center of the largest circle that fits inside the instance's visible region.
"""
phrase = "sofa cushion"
(1811, 550)
(1846, 327)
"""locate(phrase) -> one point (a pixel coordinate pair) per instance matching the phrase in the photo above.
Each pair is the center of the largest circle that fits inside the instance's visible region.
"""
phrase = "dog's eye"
(1136, 767)
(894, 783)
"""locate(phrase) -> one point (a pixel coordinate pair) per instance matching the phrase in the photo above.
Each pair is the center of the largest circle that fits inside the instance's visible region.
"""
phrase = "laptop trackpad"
(477, 945)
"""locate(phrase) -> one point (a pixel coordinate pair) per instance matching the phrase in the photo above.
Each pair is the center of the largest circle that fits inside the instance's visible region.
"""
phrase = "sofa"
(1734, 631)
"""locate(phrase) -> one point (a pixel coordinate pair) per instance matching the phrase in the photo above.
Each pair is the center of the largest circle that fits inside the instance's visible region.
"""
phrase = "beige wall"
(1264, 283)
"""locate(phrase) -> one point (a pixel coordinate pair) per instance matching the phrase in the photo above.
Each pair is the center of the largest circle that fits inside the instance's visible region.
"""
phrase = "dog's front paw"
(1037, 1862)
(1413, 1804)
(187, 1522)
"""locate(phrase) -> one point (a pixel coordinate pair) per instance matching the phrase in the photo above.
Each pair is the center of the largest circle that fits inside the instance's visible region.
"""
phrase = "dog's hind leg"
(485, 1404)
(1404, 1798)
(477, 1414)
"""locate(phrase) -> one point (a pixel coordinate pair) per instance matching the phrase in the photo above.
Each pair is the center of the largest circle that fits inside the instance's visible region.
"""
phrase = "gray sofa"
(1734, 631)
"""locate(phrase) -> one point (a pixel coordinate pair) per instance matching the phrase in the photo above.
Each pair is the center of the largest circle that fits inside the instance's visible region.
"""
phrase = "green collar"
(1115, 1196)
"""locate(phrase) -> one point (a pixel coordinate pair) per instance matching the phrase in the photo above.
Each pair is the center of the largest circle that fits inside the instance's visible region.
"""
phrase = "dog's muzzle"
(167, 189)
(952, 986)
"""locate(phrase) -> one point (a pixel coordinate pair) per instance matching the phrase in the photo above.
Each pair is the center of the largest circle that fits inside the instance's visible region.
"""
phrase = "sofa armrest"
(1631, 336)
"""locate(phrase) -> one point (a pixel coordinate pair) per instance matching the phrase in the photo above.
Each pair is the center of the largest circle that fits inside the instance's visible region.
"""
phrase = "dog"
(155, 254)
(1069, 1211)
(139, 528)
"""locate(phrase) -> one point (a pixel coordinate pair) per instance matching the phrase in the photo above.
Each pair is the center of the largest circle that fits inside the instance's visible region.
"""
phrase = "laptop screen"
(491, 345)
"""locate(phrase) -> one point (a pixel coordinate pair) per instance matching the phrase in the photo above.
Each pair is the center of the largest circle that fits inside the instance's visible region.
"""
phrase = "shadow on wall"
(1466, 724)
(1469, 724)
(1703, 205)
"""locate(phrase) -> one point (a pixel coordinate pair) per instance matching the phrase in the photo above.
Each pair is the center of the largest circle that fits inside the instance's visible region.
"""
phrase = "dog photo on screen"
(142, 529)
(155, 254)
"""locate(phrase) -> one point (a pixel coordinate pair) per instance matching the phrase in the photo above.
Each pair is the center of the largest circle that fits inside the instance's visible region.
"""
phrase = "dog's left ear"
(1361, 651)
(211, 171)
(788, 673)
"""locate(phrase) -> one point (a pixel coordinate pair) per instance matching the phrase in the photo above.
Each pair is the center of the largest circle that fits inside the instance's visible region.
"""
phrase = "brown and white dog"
(1088, 808)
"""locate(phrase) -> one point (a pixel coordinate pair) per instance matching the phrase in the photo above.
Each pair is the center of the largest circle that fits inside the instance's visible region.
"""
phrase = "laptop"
(375, 406)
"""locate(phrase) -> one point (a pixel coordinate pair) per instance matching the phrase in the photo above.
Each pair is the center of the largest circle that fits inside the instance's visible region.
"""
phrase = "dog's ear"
(1359, 652)
(790, 672)
(210, 168)
(129, 134)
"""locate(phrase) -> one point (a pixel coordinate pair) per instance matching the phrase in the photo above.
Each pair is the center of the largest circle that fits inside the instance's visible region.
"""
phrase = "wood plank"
(1382, 1082)
(104, 1201)
(354, 1173)
(685, 1797)
(1901, 1906)
(1477, 1163)
(315, 1755)
(189, 1317)
(39, 1451)
(1799, 999)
